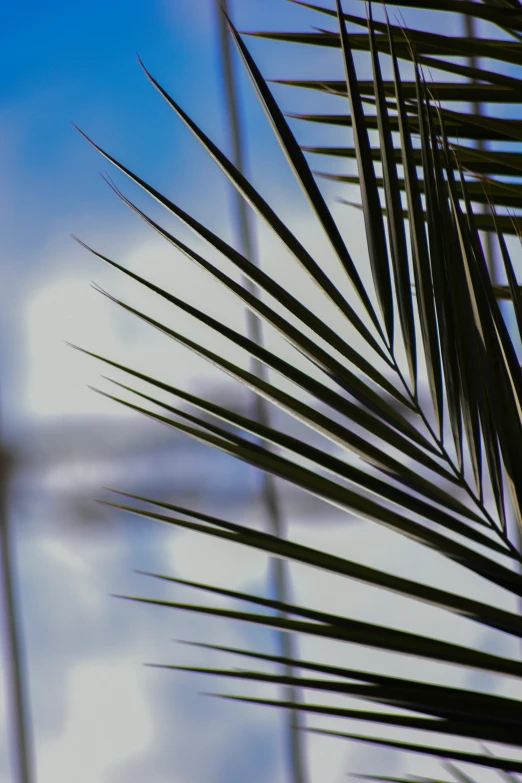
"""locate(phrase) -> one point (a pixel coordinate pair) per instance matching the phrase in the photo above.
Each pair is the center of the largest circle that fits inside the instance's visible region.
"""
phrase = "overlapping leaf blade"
(487, 85)
(420, 252)
(377, 248)
(356, 632)
(503, 17)
(463, 337)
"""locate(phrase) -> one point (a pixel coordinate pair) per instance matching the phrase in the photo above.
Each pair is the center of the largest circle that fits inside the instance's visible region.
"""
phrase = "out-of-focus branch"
(254, 328)
(477, 110)
(16, 681)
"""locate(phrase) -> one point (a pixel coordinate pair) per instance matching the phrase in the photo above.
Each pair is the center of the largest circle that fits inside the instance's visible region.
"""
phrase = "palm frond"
(445, 473)
(479, 85)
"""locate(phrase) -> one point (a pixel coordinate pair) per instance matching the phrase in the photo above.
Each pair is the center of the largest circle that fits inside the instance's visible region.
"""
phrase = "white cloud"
(67, 308)
(215, 562)
(56, 375)
(108, 721)
(58, 552)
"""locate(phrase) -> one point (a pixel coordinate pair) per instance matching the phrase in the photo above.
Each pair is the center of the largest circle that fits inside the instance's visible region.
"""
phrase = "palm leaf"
(480, 191)
(510, 18)
(481, 85)
(435, 473)
(426, 44)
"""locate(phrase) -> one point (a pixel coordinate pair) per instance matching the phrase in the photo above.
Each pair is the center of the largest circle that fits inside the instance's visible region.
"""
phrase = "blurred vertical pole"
(476, 108)
(279, 568)
(15, 681)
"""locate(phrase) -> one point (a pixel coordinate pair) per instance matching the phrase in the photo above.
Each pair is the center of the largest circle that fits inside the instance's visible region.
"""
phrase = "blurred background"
(96, 714)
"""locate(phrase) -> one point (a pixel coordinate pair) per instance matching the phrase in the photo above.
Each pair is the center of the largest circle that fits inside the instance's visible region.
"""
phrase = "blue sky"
(76, 62)
(65, 63)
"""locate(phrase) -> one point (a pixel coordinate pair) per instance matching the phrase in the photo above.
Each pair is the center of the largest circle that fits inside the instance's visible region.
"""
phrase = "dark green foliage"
(437, 300)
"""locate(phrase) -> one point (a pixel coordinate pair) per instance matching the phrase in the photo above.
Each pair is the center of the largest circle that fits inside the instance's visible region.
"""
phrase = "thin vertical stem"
(279, 568)
(18, 703)
(476, 109)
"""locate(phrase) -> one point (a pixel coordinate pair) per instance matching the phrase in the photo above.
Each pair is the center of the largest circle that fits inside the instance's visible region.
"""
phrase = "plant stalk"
(15, 679)
(477, 110)
(279, 568)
